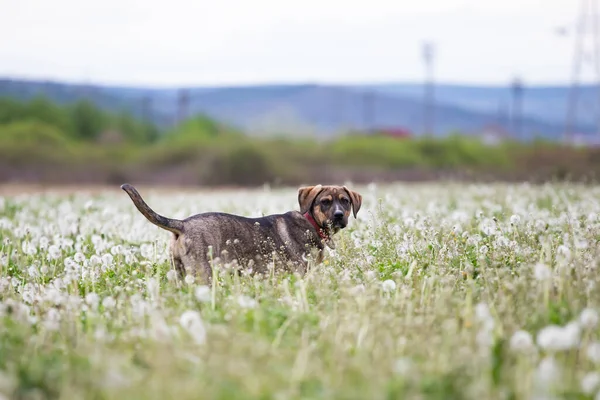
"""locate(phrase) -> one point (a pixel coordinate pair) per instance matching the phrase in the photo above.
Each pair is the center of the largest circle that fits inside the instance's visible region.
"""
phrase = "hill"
(324, 110)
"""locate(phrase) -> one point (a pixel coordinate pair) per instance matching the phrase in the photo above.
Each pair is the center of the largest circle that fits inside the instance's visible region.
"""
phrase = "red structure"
(397, 132)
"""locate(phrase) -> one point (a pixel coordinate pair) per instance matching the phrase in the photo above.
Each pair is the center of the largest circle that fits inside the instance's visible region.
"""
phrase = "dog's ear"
(356, 200)
(307, 195)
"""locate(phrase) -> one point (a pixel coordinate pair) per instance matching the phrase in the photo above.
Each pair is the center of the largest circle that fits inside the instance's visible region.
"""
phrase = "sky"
(225, 42)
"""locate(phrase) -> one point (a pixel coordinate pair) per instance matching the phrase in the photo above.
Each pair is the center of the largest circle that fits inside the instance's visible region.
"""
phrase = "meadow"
(435, 291)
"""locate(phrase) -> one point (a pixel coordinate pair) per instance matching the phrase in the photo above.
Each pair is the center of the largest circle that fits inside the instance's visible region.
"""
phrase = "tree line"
(81, 120)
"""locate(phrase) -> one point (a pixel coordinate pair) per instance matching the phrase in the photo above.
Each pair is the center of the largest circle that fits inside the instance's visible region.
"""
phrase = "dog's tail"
(172, 225)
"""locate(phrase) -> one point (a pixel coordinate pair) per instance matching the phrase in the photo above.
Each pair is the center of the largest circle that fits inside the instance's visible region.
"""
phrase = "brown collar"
(320, 231)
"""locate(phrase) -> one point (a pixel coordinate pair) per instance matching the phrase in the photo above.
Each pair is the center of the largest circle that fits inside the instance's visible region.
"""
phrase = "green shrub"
(246, 165)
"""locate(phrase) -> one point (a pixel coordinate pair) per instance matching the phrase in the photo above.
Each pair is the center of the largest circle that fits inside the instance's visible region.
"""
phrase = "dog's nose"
(338, 214)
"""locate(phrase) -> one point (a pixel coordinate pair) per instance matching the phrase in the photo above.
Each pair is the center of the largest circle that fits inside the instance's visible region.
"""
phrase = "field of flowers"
(439, 291)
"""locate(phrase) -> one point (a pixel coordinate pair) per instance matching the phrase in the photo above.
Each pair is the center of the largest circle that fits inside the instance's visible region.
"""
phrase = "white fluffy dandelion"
(109, 303)
(402, 366)
(388, 286)
(588, 318)
(542, 272)
(521, 341)
(592, 352)
(192, 322)
(515, 219)
(547, 372)
(171, 275)
(589, 383)
(246, 302)
(557, 338)
(202, 293)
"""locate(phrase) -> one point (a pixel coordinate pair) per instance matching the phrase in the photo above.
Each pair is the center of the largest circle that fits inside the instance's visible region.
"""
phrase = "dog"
(292, 238)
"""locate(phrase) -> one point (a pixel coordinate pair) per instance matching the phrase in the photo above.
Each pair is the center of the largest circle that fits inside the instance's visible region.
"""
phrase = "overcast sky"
(186, 42)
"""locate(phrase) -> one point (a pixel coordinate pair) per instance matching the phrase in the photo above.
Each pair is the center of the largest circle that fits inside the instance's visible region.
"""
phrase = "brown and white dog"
(291, 238)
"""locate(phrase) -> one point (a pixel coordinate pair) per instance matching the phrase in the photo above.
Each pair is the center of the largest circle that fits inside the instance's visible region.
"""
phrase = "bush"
(26, 133)
(245, 165)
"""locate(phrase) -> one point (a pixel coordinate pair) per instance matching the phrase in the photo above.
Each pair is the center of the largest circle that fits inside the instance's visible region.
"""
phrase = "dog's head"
(330, 206)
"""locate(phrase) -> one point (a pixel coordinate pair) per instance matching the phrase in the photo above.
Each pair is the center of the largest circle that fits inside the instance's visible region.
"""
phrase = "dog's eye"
(345, 201)
(326, 202)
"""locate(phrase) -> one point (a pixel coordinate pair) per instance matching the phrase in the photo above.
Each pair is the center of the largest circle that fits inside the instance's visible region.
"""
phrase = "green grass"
(89, 308)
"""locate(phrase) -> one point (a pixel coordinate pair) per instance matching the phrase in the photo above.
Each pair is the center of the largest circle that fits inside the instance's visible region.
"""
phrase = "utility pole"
(517, 108)
(428, 101)
(183, 104)
(588, 10)
(146, 108)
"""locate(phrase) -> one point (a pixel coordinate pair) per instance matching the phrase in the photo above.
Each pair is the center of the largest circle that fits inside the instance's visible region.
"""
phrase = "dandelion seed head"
(202, 293)
(588, 318)
(589, 383)
(388, 286)
(521, 341)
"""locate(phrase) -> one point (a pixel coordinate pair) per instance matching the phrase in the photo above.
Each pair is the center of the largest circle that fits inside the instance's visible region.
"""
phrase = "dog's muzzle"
(338, 220)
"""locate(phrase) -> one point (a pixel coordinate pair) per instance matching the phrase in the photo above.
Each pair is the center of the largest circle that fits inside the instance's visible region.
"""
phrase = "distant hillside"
(325, 110)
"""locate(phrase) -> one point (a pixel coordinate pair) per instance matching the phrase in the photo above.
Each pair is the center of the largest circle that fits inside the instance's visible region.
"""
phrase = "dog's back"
(250, 242)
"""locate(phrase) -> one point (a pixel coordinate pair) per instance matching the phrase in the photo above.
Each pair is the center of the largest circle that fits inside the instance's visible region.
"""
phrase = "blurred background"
(236, 92)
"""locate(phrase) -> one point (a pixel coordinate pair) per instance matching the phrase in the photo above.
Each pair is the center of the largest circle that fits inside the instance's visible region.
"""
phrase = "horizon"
(233, 84)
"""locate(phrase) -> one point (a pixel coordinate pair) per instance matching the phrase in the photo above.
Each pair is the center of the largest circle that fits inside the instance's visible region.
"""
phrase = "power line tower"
(428, 101)
(517, 108)
(146, 108)
(183, 104)
(588, 14)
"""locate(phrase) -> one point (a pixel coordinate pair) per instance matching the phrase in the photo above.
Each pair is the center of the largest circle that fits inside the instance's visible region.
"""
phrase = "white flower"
(192, 322)
(588, 318)
(521, 341)
(202, 293)
(33, 272)
(189, 279)
(370, 275)
(589, 383)
(402, 366)
(515, 219)
(116, 250)
(28, 248)
(485, 337)
(147, 251)
(388, 286)
(556, 338)
(563, 253)
(547, 371)
(482, 312)
(358, 289)
(540, 225)
(107, 259)
(153, 287)
(593, 352)
(542, 272)
(488, 227)
(246, 302)
(79, 257)
(109, 302)
(43, 243)
(52, 320)
(171, 275)
(92, 299)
